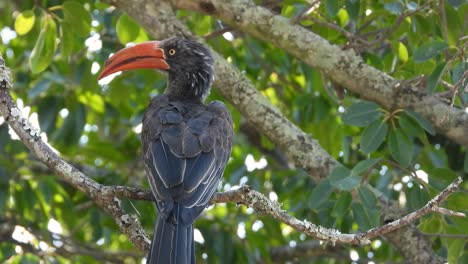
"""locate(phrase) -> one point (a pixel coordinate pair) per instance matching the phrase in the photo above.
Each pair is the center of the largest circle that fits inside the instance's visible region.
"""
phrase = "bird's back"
(186, 145)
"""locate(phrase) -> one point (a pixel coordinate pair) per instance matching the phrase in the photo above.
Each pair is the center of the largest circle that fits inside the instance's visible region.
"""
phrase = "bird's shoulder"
(187, 127)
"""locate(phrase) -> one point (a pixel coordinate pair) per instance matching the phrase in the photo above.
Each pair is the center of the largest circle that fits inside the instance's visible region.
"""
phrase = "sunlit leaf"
(24, 22)
(127, 29)
(44, 50)
(402, 52)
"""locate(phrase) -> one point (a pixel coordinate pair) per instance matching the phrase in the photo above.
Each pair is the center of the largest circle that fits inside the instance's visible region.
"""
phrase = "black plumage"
(186, 145)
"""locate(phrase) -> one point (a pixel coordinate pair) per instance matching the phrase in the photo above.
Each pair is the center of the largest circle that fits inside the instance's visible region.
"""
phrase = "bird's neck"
(189, 87)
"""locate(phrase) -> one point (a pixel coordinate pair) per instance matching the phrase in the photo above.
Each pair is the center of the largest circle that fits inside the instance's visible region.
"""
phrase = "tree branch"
(159, 20)
(262, 205)
(342, 66)
(29, 135)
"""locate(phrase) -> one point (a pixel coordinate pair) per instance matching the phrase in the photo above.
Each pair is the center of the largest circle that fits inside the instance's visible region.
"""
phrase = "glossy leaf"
(410, 126)
(127, 29)
(342, 179)
(429, 50)
(361, 114)
(401, 147)
(353, 6)
(67, 39)
(435, 76)
(332, 7)
(44, 50)
(402, 52)
(342, 205)
(363, 166)
(421, 121)
(77, 17)
(373, 136)
(394, 7)
(366, 218)
(368, 198)
(72, 126)
(320, 194)
(24, 22)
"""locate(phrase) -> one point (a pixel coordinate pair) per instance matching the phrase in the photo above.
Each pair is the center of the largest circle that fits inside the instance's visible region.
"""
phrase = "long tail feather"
(172, 243)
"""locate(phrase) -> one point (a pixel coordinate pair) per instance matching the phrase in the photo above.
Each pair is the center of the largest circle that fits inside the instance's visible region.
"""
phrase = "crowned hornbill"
(186, 144)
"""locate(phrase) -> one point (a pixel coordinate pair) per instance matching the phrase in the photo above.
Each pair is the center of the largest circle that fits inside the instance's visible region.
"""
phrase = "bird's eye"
(171, 51)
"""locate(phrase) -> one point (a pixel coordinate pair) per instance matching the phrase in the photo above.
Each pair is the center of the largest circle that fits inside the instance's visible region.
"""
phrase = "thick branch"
(342, 66)
(261, 204)
(159, 19)
(29, 135)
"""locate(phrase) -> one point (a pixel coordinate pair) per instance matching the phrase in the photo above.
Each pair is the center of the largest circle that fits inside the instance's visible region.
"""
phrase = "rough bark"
(342, 66)
(159, 20)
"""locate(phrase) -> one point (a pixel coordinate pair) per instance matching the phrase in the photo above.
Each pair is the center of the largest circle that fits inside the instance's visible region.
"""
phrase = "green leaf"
(342, 179)
(401, 147)
(77, 17)
(373, 136)
(67, 41)
(363, 166)
(410, 126)
(440, 178)
(4, 137)
(455, 3)
(422, 122)
(342, 204)
(429, 50)
(94, 101)
(320, 194)
(394, 7)
(465, 164)
(44, 49)
(48, 109)
(402, 52)
(332, 7)
(367, 197)
(366, 218)
(416, 197)
(361, 114)
(455, 250)
(127, 29)
(72, 127)
(353, 6)
(435, 76)
(24, 22)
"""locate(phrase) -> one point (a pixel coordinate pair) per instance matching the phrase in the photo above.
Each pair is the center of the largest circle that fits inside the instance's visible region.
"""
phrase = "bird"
(186, 143)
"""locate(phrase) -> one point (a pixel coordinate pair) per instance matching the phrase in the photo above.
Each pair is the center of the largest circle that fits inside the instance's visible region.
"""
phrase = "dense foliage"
(55, 50)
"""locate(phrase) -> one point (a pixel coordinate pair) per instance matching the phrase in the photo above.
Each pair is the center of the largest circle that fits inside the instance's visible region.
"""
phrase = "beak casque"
(147, 55)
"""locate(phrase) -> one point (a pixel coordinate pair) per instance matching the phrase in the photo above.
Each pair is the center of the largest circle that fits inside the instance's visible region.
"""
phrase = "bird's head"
(190, 65)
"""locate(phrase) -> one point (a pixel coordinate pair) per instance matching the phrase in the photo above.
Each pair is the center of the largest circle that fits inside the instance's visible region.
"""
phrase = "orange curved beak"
(146, 55)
